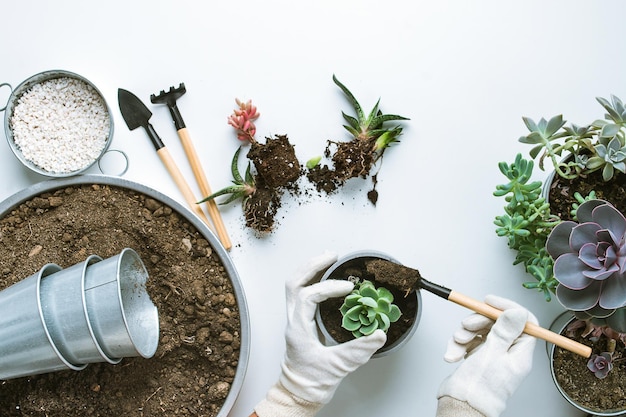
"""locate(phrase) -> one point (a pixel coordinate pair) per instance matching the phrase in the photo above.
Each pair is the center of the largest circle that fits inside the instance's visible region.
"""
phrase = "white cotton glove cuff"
(281, 403)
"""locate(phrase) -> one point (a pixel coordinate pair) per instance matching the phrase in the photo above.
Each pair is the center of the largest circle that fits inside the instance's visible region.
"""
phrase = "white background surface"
(464, 72)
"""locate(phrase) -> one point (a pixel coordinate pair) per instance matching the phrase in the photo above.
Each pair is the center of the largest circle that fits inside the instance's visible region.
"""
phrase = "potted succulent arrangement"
(570, 236)
(369, 306)
(273, 168)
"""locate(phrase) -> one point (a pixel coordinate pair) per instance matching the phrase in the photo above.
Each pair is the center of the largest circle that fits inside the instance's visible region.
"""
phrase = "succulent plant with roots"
(370, 138)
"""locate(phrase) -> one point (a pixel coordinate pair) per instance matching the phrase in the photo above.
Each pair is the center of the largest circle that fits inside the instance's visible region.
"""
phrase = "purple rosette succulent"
(590, 263)
(600, 364)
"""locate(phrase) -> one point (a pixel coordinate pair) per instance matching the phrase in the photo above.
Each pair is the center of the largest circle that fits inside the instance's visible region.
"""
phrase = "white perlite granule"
(60, 125)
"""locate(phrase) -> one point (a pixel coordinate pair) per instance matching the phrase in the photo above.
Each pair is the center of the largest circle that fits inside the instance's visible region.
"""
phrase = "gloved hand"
(311, 372)
(495, 365)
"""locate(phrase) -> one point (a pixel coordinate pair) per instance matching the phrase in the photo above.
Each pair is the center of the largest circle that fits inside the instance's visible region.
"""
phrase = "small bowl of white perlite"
(57, 123)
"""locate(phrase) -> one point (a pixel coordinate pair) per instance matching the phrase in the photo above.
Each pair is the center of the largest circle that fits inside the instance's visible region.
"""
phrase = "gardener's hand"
(494, 365)
(311, 372)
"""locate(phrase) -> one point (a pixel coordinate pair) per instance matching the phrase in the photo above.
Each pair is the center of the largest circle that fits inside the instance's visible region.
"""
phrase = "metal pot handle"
(122, 171)
(10, 88)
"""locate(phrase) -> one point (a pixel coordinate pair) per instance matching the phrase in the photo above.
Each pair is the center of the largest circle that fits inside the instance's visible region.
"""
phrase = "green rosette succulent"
(368, 308)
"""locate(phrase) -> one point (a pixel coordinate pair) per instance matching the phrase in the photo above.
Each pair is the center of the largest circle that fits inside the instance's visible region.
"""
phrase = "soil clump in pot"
(200, 329)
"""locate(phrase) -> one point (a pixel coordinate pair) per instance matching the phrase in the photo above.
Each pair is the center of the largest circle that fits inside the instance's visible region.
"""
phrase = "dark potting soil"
(562, 191)
(392, 275)
(275, 161)
(351, 159)
(581, 385)
(193, 368)
(331, 316)
(277, 172)
(571, 371)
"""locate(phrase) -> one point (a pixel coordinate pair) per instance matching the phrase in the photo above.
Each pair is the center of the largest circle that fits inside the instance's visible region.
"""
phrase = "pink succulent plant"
(242, 120)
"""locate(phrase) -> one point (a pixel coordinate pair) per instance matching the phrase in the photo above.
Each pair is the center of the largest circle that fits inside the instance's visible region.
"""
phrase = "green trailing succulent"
(600, 145)
(526, 223)
(368, 308)
(243, 187)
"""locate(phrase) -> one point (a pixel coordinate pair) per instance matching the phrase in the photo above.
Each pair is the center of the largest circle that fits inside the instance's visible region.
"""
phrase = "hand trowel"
(387, 273)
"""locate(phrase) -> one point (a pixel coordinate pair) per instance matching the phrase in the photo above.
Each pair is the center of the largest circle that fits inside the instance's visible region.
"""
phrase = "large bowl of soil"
(199, 366)
(328, 317)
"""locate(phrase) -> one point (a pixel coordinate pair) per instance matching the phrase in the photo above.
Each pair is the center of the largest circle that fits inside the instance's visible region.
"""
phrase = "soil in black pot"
(331, 316)
(200, 337)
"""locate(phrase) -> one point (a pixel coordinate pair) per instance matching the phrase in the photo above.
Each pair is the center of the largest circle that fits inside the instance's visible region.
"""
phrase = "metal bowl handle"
(10, 88)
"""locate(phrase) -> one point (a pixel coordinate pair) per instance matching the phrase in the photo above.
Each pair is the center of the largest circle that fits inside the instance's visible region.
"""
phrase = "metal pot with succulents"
(370, 305)
(570, 235)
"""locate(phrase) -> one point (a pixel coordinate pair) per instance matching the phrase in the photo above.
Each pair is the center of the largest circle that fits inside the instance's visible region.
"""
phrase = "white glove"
(492, 370)
(311, 371)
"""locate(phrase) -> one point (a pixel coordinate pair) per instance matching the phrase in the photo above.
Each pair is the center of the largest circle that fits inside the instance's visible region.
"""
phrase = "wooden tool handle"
(198, 172)
(531, 328)
(178, 178)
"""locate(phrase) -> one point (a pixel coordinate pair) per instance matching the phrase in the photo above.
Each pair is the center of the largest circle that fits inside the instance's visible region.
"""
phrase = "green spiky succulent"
(370, 127)
(368, 308)
(243, 187)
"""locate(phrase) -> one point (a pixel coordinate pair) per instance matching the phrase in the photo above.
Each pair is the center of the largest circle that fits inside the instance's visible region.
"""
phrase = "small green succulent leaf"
(386, 294)
(352, 122)
(352, 299)
(609, 130)
(368, 291)
(365, 321)
(353, 101)
(350, 325)
(384, 305)
(313, 162)
(354, 313)
(368, 302)
(385, 322)
(394, 313)
(369, 329)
